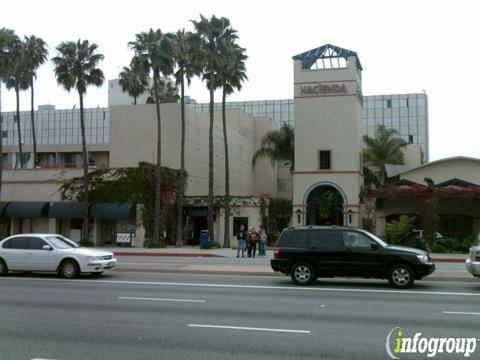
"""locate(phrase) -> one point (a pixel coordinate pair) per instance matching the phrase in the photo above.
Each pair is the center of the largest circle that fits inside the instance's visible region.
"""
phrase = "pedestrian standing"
(252, 242)
(241, 244)
(262, 245)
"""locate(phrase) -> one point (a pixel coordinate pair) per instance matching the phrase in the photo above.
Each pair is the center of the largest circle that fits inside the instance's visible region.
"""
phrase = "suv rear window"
(326, 239)
(293, 238)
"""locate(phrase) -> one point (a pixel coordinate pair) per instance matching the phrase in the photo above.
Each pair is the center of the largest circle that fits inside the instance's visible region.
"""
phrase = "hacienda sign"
(319, 89)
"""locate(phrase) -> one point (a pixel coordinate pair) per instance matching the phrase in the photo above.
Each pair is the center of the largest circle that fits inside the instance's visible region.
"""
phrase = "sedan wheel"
(69, 269)
(3, 268)
(401, 276)
(303, 274)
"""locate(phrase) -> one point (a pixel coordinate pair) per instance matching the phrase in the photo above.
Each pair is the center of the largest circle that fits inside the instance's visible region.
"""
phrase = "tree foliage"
(384, 148)
(278, 146)
(133, 184)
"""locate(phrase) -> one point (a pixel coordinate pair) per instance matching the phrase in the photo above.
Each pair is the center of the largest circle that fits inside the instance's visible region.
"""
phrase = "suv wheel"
(302, 273)
(3, 268)
(401, 276)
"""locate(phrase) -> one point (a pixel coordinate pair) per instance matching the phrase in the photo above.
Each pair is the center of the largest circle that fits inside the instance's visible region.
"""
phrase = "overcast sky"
(404, 46)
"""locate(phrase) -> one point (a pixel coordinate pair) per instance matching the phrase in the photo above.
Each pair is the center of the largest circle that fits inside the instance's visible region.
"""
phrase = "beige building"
(31, 200)
(325, 187)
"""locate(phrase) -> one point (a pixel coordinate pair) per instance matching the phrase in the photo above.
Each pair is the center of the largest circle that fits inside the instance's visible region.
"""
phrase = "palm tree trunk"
(210, 162)
(1, 141)
(226, 238)
(86, 227)
(32, 118)
(19, 130)
(181, 185)
(158, 180)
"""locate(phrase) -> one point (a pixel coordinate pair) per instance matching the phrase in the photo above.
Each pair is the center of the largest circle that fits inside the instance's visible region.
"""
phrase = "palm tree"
(35, 55)
(7, 37)
(167, 92)
(133, 81)
(213, 34)
(17, 79)
(232, 74)
(76, 67)
(384, 148)
(187, 59)
(278, 145)
(153, 53)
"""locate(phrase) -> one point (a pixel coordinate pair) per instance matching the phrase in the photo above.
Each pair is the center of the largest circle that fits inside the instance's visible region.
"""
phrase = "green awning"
(26, 210)
(66, 210)
(113, 211)
(3, 205)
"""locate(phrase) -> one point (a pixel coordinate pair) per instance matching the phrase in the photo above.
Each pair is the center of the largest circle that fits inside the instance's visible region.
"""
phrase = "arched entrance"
(325, 205)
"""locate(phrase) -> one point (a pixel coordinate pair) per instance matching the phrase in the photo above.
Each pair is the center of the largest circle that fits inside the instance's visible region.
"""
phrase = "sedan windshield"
(60, 242)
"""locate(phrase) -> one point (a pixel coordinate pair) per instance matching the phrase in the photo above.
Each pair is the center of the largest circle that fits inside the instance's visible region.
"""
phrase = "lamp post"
(350, 213)
(299, 215)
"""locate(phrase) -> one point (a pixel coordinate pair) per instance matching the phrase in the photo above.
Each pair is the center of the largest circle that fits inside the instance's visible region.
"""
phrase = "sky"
(404, 47)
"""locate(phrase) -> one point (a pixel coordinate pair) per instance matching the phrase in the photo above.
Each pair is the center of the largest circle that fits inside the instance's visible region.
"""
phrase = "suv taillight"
(276, 252)
(477, 256)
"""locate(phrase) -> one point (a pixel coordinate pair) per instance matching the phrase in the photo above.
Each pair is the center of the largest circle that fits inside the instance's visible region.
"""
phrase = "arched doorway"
(325, 206)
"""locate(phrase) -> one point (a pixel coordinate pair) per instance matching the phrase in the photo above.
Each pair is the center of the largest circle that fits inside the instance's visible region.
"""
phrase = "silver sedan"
(52, 253)
(473, 261)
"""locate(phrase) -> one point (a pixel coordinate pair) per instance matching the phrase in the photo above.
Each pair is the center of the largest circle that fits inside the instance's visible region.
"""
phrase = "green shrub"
(154, 244)
(215, 245)
(86, 243)
(397, 229)
(437, 248)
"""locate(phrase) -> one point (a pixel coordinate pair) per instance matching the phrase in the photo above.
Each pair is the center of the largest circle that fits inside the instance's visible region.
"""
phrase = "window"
(357, 240)
(325, 161)
(36, 243)
(299, 239)
(326, 239)
(389, 103)
(4, 133)
(17, 243)
(73, 160)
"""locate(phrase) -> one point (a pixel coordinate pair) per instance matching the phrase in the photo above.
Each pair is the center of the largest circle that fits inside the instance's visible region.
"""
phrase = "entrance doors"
(325, 206)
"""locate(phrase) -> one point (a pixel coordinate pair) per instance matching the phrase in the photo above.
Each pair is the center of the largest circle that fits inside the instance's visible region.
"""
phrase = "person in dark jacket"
(241, 240)
(252, 240)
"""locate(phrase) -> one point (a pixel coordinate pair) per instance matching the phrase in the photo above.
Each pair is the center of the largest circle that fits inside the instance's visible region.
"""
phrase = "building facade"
(330, 115)
(406, 113)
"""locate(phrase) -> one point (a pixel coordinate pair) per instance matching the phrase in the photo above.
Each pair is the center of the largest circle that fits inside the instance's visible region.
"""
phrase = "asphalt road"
(245, 262)
(176, 316)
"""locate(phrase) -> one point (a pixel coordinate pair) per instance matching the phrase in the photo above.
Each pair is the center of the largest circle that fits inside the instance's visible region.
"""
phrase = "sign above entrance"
(322, 89)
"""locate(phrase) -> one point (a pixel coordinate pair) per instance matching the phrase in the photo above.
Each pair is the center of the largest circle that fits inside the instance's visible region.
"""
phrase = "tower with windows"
(328, 141)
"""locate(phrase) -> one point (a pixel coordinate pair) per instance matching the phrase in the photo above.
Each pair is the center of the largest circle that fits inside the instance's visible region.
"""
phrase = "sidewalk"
(195, 251)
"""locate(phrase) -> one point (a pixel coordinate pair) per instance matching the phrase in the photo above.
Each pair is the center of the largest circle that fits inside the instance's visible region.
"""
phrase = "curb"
(172, 254)
(450, 260)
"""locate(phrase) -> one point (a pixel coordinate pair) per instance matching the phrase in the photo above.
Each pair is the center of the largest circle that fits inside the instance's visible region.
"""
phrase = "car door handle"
(313, 248)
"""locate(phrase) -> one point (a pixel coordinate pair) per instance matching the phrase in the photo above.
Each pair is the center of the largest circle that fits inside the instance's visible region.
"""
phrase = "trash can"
(204, 239)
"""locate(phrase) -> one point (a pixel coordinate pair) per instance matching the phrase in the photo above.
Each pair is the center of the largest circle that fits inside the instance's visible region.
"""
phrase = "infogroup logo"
(396, 343)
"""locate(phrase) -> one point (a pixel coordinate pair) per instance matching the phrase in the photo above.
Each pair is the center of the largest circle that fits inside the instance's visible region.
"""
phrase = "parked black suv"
(307, 253)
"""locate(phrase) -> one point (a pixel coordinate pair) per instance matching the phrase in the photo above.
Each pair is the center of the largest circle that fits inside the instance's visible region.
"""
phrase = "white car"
(52, 252)
(473, 261)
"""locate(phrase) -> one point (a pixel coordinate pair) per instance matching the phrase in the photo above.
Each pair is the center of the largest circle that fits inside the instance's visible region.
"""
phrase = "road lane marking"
(249, 328)
(253, 287)
(461, 313)
(159, 299)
